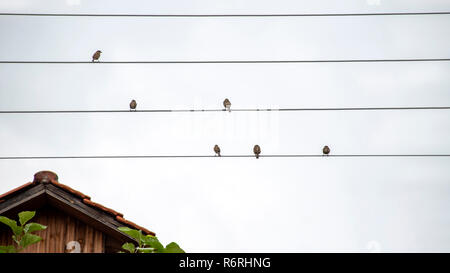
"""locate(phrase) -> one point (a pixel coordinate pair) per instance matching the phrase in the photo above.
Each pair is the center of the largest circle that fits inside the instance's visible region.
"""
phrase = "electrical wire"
(233, 61)
(224, 110)
(212, 156)
(230, 15)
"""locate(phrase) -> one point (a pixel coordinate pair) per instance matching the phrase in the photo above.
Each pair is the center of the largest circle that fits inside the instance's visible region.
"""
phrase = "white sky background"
(239, 204)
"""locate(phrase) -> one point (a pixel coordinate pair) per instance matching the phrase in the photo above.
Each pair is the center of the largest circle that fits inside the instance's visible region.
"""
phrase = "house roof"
(46, 183)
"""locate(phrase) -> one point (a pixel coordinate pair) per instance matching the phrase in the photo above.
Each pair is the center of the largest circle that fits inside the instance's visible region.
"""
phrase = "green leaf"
(7, 249)
(133, 233)
(12, 224)
(153, 242)
(145, 249)
(29, 239)
(173, 248)
(25, 216)
(129, 247)
(31, 227)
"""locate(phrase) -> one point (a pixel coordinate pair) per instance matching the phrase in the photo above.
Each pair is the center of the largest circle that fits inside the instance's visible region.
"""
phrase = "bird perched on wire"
(133, 105)
(326, 150)
(257, 151)
(96, 55)
(227, 105)
(217, 150)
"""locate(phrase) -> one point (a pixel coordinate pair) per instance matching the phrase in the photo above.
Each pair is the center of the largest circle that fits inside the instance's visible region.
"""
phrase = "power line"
(230, 15)
(224, 110)
(212, 156)
(234, 61)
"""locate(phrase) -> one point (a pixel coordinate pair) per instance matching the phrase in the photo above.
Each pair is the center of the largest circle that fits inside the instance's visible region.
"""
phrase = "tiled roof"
(47, 177)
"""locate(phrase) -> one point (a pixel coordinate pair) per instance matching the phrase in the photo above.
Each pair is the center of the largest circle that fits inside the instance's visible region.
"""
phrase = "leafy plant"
(147, 243)
(22, 234)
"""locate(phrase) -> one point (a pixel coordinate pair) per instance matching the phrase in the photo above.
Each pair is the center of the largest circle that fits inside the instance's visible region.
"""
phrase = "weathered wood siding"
(61, 229)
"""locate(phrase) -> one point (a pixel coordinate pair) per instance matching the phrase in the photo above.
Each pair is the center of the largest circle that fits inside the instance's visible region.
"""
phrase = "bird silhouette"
(96, 55)
(227, 105)
(133, 105)
(257, 151)
(217, 149)
(326, 150)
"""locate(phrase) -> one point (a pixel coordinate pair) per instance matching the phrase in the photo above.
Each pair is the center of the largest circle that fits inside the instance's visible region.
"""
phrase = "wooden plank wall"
(61, 229)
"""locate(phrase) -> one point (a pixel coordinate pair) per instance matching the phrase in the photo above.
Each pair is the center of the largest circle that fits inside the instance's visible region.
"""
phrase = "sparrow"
(326, 150)
(257, 151)
(133, 105)
(227, 105)
(217, 149)
(96, 55)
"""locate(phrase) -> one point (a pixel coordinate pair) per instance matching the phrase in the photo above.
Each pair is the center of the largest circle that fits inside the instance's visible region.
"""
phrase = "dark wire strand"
(212, 156)
(233, 61)
(224, 110)
(229, 15)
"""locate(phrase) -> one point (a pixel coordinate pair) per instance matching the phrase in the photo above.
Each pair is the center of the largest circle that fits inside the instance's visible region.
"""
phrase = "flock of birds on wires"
(226, 103)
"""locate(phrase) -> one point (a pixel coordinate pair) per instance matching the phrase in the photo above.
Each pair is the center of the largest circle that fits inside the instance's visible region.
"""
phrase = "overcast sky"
(239, 204)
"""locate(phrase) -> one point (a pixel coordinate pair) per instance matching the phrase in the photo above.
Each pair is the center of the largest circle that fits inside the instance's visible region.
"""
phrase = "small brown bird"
(326, 150)
(257, 151)
(96, 55)
(133, 105)
(227, 105)
(217, 150)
